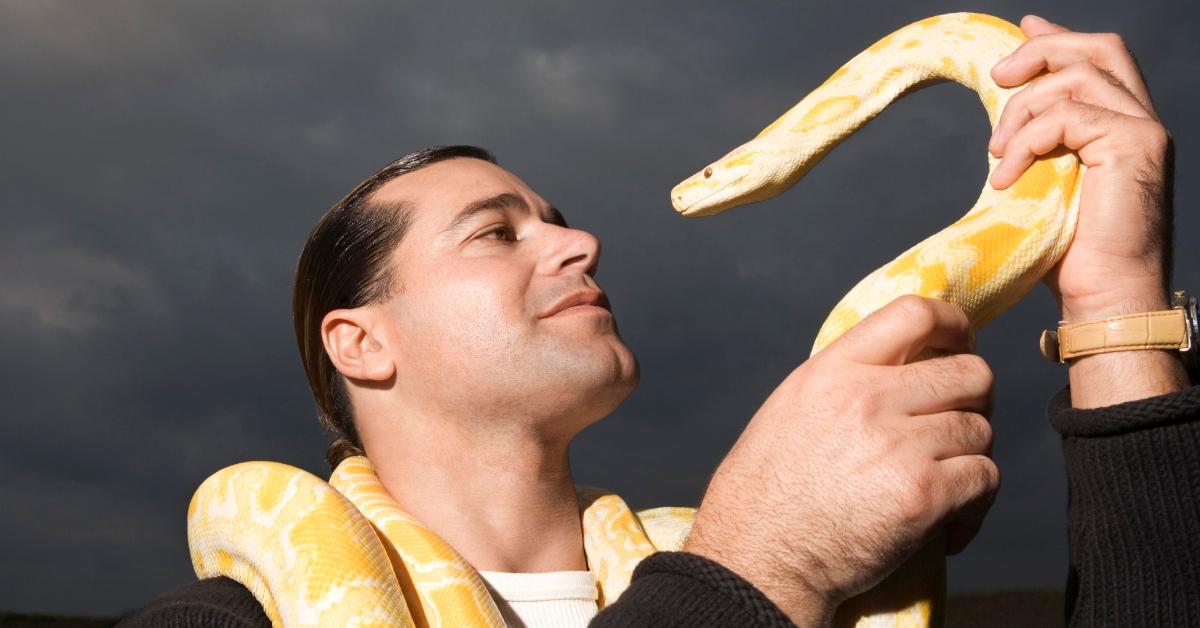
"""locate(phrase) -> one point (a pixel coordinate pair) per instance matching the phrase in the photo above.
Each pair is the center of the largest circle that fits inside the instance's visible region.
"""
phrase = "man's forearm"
(1106, 379)
(1134, 513)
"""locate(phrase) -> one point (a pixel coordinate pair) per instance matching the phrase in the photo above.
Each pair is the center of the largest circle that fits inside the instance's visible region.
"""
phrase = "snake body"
(984, 263)
(343, 553)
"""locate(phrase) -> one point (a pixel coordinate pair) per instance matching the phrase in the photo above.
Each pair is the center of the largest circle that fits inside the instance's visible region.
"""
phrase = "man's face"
(480, 318)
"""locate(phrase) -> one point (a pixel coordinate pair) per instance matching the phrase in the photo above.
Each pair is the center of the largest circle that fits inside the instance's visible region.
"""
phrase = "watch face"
(1191, 354)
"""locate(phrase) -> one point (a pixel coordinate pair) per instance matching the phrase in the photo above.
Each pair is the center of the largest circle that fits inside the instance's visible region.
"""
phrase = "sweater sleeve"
(1133, 515)
(209, 603)
(677, 589)
(668, 589)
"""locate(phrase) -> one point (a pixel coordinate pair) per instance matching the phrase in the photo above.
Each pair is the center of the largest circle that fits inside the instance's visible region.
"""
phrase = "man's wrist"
(1143, 296)
(1106, 379)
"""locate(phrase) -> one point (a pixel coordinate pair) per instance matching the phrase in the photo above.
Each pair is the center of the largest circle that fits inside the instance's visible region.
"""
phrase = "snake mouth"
(699, 206)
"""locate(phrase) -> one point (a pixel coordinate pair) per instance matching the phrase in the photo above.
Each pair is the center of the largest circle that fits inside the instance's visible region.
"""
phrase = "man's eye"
(500, 232)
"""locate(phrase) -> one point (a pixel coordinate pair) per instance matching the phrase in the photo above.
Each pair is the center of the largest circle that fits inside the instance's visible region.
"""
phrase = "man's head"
(437, 288)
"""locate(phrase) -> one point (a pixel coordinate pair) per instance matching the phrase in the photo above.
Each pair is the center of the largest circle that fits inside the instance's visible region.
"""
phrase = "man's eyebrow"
(507, 200)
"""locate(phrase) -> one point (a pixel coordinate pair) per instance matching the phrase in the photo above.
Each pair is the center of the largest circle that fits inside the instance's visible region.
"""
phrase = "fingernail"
(1038, 18)
(1005, 62)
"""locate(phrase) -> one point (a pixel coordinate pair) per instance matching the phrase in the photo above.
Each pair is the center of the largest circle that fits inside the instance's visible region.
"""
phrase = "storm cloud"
(162, 164)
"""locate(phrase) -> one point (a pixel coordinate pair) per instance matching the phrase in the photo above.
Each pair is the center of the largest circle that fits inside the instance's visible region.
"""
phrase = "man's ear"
(354, 346)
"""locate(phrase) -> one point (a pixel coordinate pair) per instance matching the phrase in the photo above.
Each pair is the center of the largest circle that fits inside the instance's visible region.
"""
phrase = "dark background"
(162, 163)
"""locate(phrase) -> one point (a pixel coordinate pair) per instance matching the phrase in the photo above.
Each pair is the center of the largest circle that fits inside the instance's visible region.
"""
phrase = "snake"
(984, 262)
(343, 552)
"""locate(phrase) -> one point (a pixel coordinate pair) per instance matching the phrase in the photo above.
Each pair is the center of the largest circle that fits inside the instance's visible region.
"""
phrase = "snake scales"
(344, 553)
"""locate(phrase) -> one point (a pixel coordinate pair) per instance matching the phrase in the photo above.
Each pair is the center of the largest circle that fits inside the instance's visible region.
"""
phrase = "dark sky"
(162, 164)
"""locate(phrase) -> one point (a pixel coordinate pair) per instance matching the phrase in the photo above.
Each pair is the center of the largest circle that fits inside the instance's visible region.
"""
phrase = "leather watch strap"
(1166, 329)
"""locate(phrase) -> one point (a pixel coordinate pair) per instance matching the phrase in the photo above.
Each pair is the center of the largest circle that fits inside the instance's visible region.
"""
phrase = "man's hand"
(855, 461)
(1095, 102)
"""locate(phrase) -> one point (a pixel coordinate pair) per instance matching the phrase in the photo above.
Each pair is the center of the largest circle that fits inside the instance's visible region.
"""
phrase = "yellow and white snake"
(343, 553)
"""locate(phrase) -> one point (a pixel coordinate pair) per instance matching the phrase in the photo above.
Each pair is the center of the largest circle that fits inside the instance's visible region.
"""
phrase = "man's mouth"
(581, 300)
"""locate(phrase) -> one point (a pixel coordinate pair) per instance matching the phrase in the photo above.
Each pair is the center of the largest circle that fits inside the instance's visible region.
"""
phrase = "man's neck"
(504, 501)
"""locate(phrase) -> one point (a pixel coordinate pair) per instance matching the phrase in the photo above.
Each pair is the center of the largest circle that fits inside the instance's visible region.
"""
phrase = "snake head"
(747, 174)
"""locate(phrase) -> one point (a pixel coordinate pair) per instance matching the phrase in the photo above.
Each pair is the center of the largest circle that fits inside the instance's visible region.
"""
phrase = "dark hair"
(344, 264)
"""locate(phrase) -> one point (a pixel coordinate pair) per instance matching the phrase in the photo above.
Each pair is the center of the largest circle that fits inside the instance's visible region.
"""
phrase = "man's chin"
(610, 397)
(600, 392)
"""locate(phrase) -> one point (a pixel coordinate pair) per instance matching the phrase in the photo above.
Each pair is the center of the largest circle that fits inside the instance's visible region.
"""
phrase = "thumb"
(903, 329)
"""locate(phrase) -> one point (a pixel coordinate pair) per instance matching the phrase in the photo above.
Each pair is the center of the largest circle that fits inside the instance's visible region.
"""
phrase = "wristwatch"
(1176, 328)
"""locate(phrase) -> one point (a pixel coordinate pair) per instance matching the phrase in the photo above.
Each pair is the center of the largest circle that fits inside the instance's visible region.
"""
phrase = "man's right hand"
(855, 461)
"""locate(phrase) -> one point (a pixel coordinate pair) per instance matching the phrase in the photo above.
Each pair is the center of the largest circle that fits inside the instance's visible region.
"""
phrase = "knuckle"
(975, 368)
(1114, 41)
(863, 403)
(976, 430)
(986, 476)
(916, 309)
(1157, 138)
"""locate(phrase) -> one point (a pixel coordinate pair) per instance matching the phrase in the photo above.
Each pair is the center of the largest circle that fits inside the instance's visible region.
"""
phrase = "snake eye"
(708, 172)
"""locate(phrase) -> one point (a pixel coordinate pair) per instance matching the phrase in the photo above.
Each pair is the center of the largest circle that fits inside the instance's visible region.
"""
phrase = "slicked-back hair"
(345, 264)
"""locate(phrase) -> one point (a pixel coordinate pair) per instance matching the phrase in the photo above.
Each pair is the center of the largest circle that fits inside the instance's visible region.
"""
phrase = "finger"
(1034, 25)
(1055, 51)
(1082, 82)
(1066, 123)
(898, 331)
(950, 434)
(973, 483)
(956, 382)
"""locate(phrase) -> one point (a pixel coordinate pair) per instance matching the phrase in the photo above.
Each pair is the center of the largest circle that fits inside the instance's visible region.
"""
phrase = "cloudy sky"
(162, 164)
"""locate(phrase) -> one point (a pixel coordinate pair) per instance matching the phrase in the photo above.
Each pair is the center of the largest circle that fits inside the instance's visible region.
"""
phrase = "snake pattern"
(985, 262)
(343, 552)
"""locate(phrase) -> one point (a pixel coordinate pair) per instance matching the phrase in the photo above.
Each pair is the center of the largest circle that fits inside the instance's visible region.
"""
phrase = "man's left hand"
(1093, 101)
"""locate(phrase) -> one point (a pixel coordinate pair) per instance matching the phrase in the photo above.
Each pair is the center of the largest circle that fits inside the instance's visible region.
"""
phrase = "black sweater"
(1133, 524)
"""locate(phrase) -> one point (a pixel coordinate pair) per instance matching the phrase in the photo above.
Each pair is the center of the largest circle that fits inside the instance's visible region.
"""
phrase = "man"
(452, 328)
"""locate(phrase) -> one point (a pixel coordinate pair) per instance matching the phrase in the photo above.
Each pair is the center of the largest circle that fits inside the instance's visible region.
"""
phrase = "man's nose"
(571, 249)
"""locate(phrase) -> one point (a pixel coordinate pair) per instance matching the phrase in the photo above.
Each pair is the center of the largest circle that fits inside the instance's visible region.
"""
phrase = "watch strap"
(1165, 329)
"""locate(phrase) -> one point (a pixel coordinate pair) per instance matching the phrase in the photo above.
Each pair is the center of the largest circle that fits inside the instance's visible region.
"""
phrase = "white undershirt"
(552, 599)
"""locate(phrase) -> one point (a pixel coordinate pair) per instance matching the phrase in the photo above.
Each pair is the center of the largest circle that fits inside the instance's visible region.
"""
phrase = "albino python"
(343, 553)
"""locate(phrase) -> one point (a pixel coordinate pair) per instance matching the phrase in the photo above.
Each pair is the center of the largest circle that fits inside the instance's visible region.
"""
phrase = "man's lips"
(582, 297)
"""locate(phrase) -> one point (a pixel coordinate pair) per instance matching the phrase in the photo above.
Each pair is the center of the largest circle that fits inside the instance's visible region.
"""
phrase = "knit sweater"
(1133, 522)
(1133, 515)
